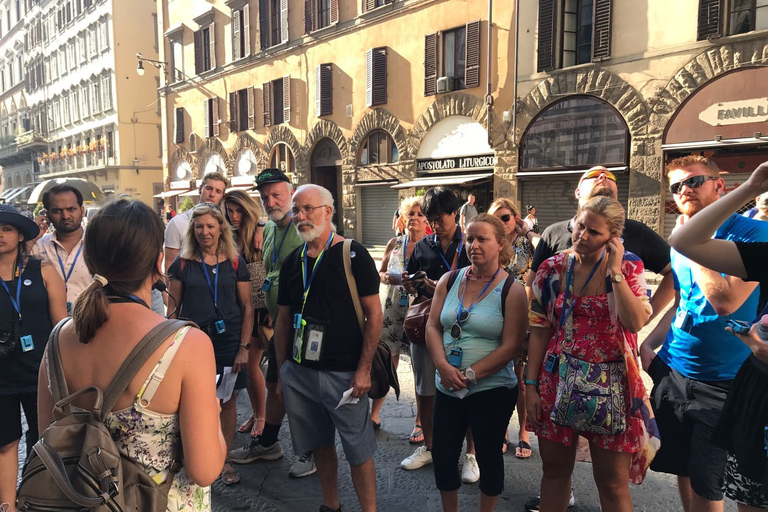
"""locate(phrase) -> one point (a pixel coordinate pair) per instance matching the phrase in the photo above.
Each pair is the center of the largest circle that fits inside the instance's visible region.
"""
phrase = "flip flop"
(247, 425)
(230, 477)
(417, 435)
(523, 445)
(255, 432)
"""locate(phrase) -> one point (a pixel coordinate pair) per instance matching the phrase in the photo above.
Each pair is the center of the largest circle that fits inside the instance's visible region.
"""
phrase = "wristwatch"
(246, 346)
(617, 278)
(469, 373)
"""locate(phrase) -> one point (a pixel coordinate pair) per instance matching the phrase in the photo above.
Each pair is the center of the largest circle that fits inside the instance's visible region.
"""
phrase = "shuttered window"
(179, 129)
(241, 38)
(546, 52)
(309, 16)
(286, 82)
(273, 22)
(320, 14)
(369, 5)
(277, 101)
(267, 107)
(211, 125)
(324, 90)
(472, 55)
(430, 65)
(251, 96)
(710, 16)
(601, 35)
(376, 76)
(205, 49)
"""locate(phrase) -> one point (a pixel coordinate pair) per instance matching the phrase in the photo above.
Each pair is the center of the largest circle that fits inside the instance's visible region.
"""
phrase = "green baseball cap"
(270, 175)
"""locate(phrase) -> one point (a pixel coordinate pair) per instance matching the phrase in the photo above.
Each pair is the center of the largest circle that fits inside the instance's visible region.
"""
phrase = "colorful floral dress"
(598, 336)
(522, 253)
(153, 440)
(394, 314)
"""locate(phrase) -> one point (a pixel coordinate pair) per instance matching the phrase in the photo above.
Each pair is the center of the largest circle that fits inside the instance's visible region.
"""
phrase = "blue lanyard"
(471, 306)
(305, 268)
(16, 303)
(569, 280)
(458, 251)
(405, 252)
(66, 275)
(276, 252)
(214, 289)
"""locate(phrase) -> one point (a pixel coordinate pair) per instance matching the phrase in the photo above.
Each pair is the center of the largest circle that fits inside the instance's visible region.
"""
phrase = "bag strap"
(136, 359)
(352, 284)
(452, 278)
(58, 383)
(508, 282)
(55, 466)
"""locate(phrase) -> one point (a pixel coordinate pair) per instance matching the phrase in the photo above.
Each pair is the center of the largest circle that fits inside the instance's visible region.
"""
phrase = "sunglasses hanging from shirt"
(462, 315)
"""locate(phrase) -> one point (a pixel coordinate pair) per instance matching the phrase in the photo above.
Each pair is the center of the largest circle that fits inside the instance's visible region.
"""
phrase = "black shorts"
(271, 375)
(687, 412)
(10, 411)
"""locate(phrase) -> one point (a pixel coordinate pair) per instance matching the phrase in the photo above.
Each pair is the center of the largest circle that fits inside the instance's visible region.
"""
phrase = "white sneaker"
(471, 472)
(418, 459)
(305, 466)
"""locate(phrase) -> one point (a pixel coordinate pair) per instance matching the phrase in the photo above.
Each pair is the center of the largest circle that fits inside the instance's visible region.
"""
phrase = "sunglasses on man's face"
(596, 174)
(692, 182)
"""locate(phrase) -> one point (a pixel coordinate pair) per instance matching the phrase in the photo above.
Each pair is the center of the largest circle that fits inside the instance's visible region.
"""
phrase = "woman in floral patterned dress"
(151, 424)
(395, 304)
(589, 303)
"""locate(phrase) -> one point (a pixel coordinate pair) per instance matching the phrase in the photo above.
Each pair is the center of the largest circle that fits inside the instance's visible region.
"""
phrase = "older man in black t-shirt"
(328, 356)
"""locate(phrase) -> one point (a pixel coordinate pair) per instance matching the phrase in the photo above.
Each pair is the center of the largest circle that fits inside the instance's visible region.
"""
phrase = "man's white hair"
(325, 195)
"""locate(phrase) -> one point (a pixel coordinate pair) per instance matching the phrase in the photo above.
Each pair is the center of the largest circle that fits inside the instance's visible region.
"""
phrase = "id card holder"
(403, 299)
(454, 357)
(549, 366)
(267, 285)
(69, 308)
(220, 327)
(314, 341)
(297, 321)
(27, 344)
(683, 320)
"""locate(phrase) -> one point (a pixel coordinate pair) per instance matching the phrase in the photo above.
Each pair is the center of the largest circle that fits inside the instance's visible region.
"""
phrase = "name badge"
(297, 321)
(550, 364)
(69, 308)
(403, 299)
(315, 334)
(220, 327)
(267, 285)
(27, 344)
(454, 357)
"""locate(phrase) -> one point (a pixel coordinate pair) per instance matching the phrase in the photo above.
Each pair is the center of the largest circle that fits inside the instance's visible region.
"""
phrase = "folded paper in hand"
(347, 398)
(226, 384)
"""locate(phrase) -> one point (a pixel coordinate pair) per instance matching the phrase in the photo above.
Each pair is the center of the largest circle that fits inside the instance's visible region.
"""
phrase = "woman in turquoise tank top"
(475, 329)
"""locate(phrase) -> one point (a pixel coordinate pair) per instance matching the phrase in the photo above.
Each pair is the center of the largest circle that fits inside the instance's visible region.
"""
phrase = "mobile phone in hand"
(738, 326)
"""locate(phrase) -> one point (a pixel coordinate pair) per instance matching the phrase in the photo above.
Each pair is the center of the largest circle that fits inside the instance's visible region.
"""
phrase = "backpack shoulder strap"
(352, 284)
(136, 359)
(56, 380)
(508, 282)
(452, 278)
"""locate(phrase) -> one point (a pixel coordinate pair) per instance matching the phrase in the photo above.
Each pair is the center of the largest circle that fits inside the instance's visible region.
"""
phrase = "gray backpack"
(76, 465)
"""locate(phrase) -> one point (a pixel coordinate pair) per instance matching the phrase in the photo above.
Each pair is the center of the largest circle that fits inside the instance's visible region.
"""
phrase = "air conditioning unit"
(444, 84)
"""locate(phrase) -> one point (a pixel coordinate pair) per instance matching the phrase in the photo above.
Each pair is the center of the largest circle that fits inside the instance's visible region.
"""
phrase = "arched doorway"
(325, 166)
(566, 138)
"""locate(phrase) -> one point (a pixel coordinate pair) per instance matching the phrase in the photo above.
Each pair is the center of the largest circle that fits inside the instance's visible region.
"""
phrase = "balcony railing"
(31, 140)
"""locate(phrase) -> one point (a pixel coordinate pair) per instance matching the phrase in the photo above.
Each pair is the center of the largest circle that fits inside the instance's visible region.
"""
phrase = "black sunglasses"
(692, 182)
(505, 218)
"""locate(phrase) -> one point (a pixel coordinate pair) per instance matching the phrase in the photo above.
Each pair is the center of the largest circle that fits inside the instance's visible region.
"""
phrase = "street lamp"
(157, 63)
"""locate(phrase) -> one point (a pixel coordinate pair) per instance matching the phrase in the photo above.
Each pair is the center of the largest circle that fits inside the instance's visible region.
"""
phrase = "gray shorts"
(423, 370)
(311, 397)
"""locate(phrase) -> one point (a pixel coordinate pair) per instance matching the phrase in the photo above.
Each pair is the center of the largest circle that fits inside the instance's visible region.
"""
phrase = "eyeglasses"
(306, 210)
(505, 218)
(692, 182)
(595, 173)
(438, 220)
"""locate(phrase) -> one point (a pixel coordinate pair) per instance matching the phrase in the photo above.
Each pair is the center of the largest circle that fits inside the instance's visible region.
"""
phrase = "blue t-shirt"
(697, 345)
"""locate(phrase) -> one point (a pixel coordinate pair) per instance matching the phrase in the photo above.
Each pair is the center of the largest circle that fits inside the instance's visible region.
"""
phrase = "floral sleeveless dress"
(394, 314)
(152, 439)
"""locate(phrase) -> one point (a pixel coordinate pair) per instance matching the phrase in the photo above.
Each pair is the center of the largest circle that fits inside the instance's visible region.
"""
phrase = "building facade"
(91, 115)
(17, 142)
(378, 99)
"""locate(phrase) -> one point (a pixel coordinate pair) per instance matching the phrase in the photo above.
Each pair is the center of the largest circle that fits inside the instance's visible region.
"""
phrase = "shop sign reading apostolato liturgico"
(460, 163)
(736, 112)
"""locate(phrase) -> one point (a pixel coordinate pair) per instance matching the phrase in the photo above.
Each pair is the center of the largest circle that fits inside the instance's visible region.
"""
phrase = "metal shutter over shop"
(553, 196)
(378, 205)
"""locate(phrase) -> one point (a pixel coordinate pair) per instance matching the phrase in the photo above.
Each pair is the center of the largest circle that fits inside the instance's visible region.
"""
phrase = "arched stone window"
(281, 157)
(378, 148)
(576, 132)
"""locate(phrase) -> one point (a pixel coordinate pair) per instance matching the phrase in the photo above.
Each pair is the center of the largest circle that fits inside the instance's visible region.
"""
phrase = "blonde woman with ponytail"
(124, 250)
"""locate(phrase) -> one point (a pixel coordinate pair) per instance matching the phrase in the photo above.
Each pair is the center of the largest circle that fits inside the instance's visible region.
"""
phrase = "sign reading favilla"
(736, 112)
(458, 163)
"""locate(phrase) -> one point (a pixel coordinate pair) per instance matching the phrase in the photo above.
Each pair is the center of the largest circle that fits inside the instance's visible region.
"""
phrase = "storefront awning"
(16, 194)
(538, 174)
(170, 193)
(244, 188)
(8, 193)
(450, 179)
(190, 193)
(743, 142)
